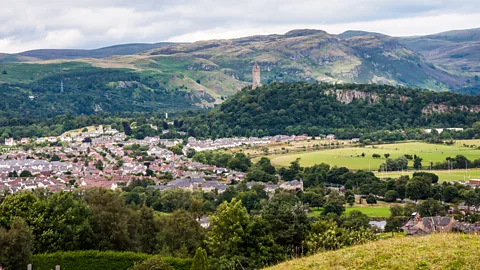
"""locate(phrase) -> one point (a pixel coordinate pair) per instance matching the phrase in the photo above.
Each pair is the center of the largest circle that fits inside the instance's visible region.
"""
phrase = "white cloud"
(33, 24)
(394, 27)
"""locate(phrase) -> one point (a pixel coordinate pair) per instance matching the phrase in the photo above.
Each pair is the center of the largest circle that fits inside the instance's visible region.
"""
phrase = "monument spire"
(256, 76)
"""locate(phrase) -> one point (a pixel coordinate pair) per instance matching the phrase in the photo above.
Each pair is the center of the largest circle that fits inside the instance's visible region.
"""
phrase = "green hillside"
(314, 55)
(457, 51)
(436, 251)
(35, 91)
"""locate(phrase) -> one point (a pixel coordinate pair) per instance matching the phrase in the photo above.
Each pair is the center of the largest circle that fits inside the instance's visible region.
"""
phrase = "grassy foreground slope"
(437, 251)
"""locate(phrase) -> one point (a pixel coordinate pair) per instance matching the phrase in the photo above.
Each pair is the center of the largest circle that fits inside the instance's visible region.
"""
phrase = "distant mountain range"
(456, 51)
(206, 72)
(50, 54)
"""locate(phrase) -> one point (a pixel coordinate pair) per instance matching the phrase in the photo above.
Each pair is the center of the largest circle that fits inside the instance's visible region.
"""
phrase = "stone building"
(256, 76)
(417, 225)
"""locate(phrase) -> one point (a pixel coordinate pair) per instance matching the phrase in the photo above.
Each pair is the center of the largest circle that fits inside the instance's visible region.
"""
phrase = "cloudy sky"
(35, 24)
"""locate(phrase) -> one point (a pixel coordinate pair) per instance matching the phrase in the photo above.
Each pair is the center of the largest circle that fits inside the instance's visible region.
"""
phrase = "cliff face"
(347, 96)
(442, 108)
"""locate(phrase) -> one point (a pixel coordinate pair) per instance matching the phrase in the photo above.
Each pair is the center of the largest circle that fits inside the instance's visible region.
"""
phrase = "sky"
(88, 24)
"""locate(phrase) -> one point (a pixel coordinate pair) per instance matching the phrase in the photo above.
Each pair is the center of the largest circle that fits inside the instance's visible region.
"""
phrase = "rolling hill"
(457, 51)
(346, 110)
(436, 251)
(50, 54)
(205, 73)
(314, 55)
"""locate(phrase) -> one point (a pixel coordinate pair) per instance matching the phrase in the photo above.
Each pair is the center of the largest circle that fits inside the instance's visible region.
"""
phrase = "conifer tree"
(200, 261)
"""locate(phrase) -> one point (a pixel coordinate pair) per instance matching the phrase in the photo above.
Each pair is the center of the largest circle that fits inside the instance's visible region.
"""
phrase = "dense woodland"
(278, 108)
(303, 108)
(88, 91)
(104, 220)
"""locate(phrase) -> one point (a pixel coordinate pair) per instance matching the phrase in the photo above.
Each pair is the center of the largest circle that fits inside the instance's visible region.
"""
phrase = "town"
(104, 158)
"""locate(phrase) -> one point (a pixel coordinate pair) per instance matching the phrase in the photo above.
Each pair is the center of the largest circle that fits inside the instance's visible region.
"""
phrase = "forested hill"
(79, 89)
(347, 110)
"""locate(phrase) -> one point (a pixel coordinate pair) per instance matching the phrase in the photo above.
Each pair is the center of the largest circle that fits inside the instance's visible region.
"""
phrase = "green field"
(26, 73)
(375, 212)
(444, 175)
(352, 159)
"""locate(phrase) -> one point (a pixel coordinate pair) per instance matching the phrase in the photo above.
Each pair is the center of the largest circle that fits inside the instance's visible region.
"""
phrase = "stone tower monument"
(256, 76)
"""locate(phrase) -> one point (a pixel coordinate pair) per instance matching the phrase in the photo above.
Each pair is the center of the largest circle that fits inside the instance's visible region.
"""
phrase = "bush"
(325, 235)
(178, 263)
(371, 199)
(394, 224)
(99, 260)
(88, 260)
(155, 263)
(200, 261)
(432, 176)
(391, 196)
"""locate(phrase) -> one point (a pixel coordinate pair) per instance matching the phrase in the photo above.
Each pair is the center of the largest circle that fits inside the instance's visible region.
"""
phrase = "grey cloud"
(25, 24)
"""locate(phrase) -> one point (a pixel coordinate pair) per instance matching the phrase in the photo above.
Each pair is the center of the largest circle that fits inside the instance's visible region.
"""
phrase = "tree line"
(248, 228)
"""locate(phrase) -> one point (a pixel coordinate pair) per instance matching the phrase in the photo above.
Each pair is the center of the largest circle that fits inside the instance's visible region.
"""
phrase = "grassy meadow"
(379, 210)
(444, 175)
(434, 251)
(373, 212)
(351, 158)
(26, 73)
(283, 148)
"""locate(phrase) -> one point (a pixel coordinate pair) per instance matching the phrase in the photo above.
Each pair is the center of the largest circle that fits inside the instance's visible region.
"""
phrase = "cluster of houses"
(77, 158)
(418, 225)
(16, 184)
(75, 165)
(70, 137)
(202, 145)
(202, 184)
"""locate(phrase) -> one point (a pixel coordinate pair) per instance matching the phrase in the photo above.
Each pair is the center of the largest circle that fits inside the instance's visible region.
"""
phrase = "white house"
(10, 142)
(331, 137)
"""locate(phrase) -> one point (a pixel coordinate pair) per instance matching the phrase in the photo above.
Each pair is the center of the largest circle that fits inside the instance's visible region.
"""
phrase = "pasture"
(373, 211)
(444, 175)
(284, 148)
(351, 157)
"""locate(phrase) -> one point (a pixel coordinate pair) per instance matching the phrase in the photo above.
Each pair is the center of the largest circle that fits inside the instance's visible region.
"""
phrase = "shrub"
(432, 176)
(88, 260)
(391, 196)
(371, 199)
(99, 260)
(155, 263)
(200, 261)
(178, 263)
(326, 235)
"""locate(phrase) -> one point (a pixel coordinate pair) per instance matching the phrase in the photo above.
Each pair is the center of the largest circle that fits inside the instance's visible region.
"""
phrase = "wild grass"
(436, 251)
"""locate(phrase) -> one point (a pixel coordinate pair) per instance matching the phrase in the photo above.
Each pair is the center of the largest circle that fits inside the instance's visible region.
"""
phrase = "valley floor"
(443, 175)
(351, 157)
